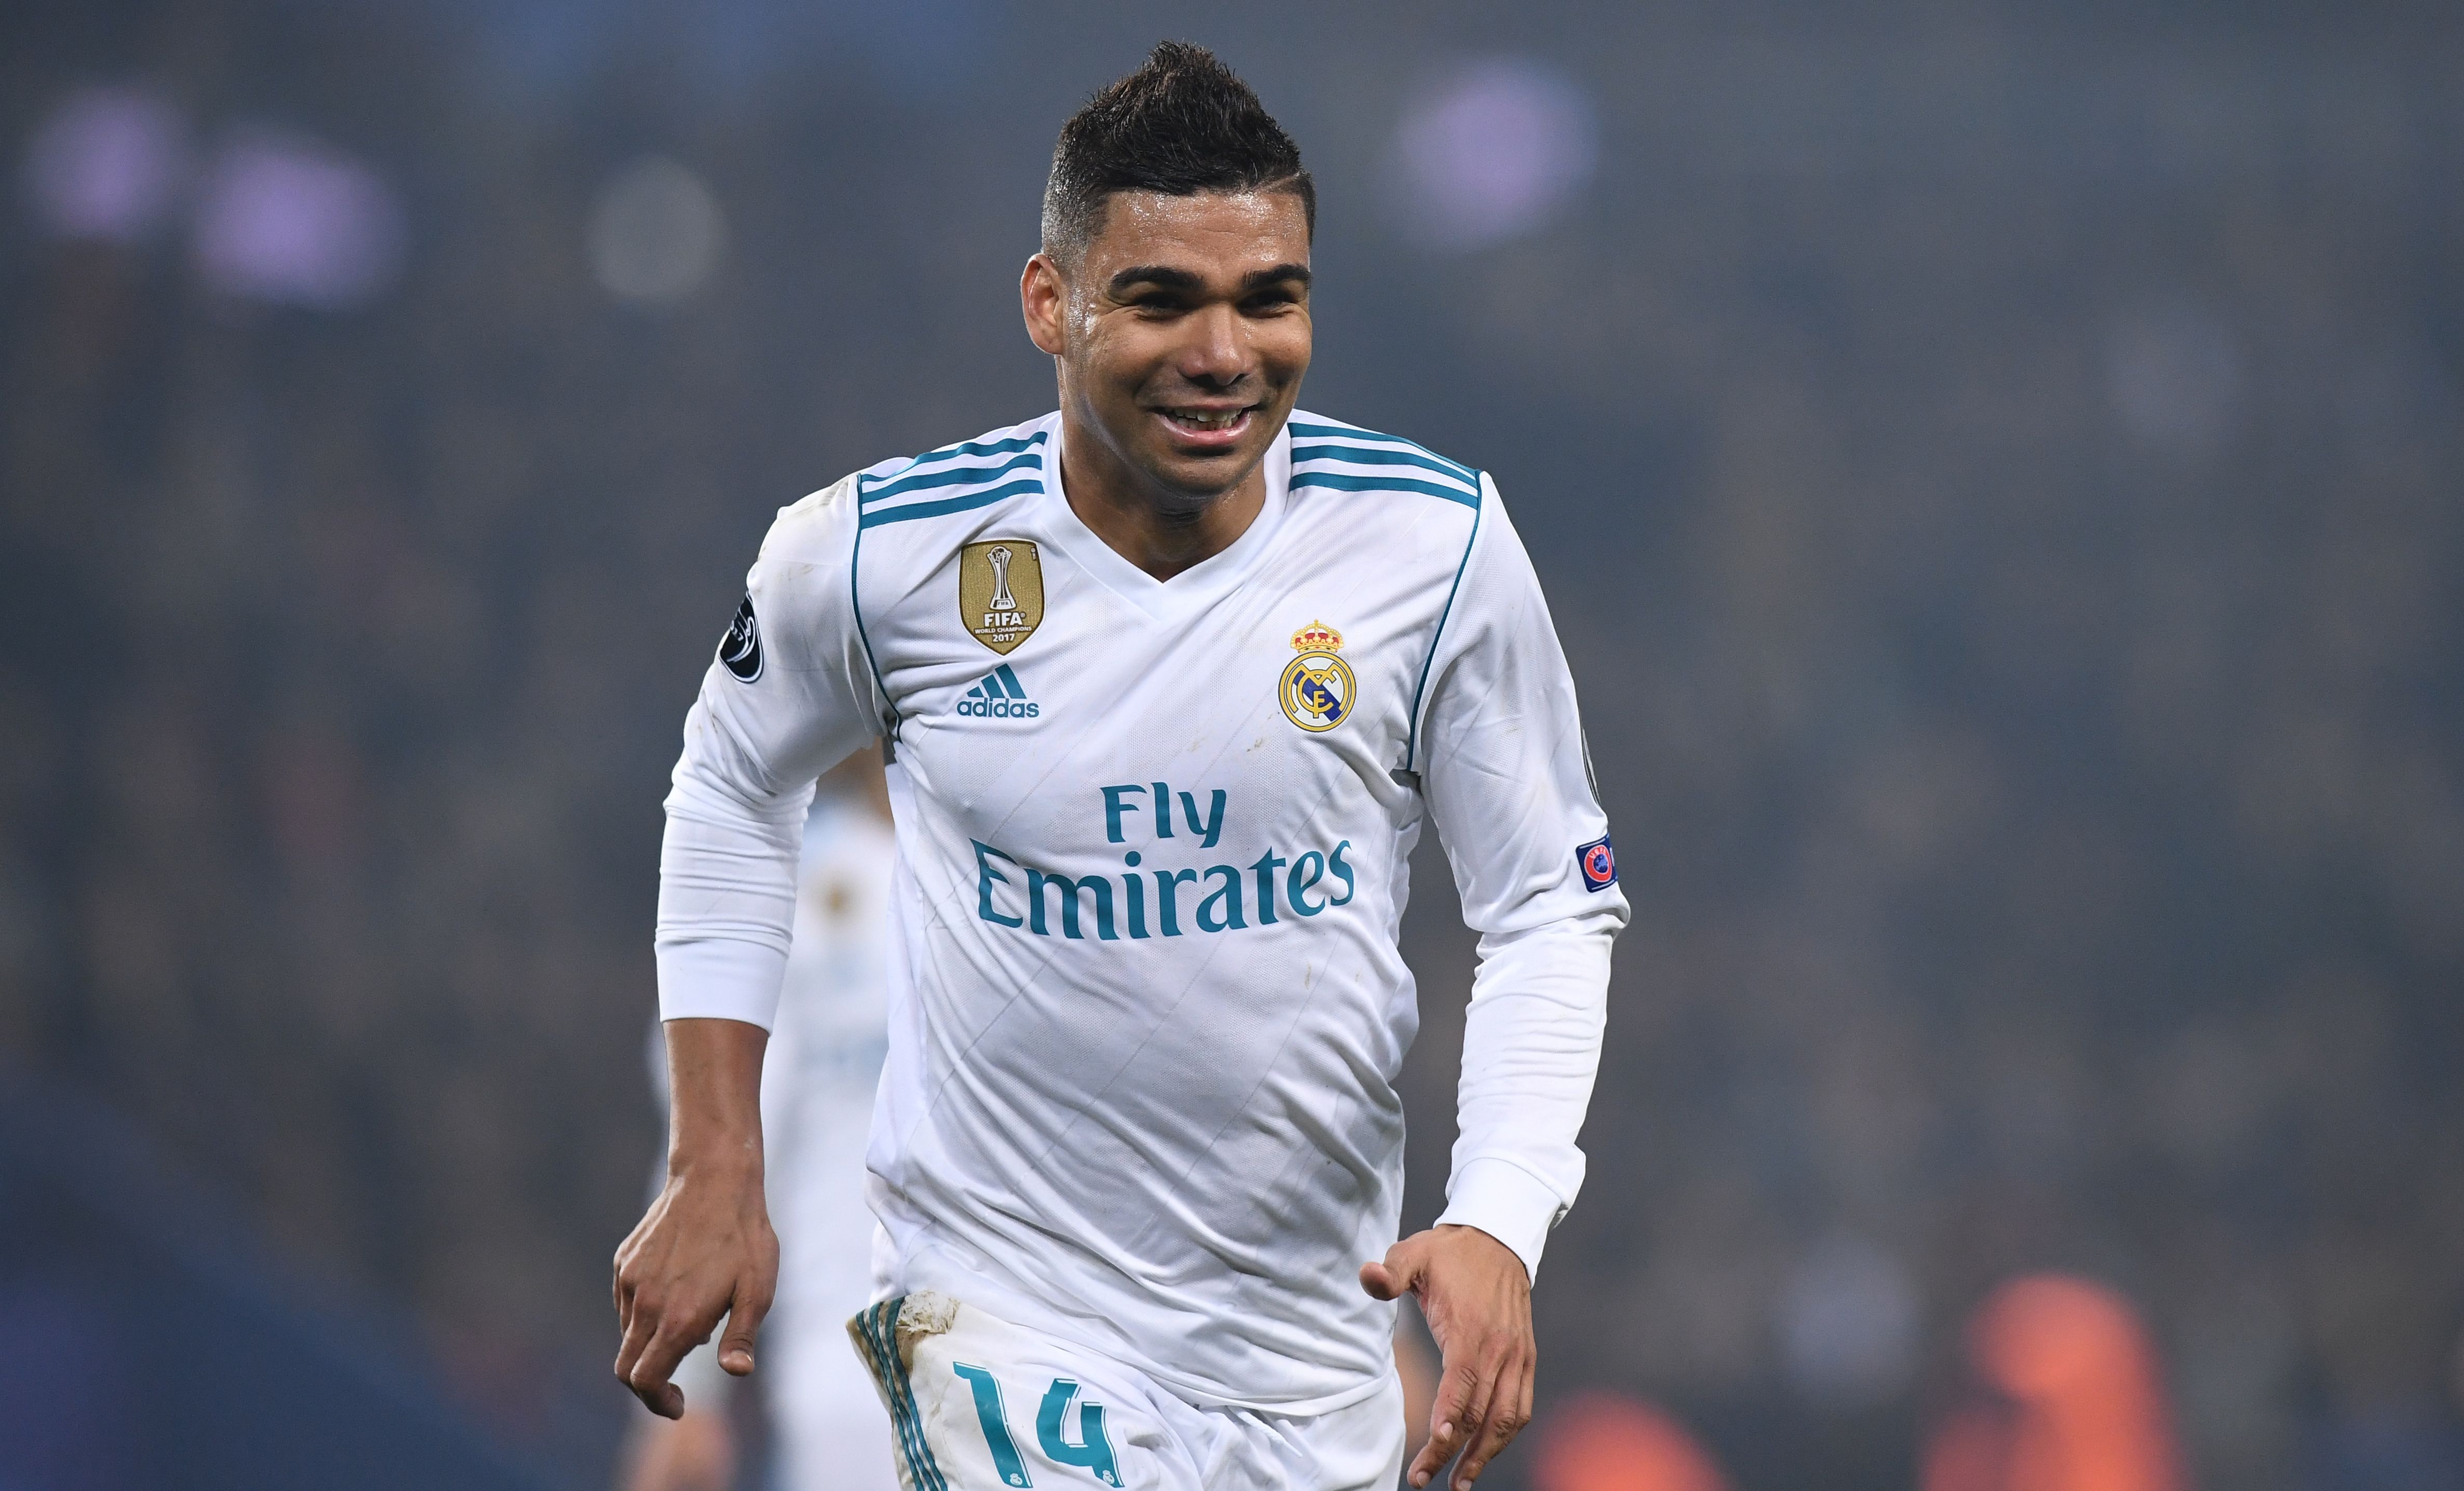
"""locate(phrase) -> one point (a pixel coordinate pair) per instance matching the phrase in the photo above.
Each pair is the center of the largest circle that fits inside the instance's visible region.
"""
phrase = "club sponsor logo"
(1001, 592)
(1597, 861)
(1156, 890)
(740, 651)
(1317, 688)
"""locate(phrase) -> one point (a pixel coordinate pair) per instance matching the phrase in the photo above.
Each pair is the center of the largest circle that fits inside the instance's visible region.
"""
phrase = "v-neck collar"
(1202, 582)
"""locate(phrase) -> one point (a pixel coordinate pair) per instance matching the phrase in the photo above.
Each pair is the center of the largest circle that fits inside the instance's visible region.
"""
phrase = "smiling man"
(1168, 681)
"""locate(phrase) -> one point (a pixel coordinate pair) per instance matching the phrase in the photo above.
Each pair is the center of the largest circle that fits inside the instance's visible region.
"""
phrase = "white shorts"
(980, 1404)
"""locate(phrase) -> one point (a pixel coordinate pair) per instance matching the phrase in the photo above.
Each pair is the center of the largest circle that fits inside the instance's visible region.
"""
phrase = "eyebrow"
(1166, 278)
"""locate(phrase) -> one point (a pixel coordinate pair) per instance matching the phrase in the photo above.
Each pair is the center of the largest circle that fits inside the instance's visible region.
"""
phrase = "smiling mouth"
(1209, 422)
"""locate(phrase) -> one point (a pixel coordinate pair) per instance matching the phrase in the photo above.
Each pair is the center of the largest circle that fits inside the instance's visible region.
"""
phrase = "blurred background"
(1998, 470)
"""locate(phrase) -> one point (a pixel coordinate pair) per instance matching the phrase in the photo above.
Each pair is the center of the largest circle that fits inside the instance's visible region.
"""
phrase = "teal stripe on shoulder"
(1379, 456)
(1343, 482)
(950, 476)
(976, 448)
(1354, 433)
(855, 606)
(987, 447)
(947, 505)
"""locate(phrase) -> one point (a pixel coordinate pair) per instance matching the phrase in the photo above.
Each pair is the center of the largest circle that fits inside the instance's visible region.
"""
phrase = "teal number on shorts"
(1093, 1452)
(990, 1414)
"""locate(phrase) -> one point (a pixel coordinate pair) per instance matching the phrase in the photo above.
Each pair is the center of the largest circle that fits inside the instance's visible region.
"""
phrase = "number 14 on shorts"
(1092, 1452)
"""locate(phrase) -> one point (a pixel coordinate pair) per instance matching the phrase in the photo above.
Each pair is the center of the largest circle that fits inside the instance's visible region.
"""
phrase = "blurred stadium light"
(656, 233)
(292, 221)
(1491, 152)
(1609, 1441)
(108, 163)
(2080, 1397)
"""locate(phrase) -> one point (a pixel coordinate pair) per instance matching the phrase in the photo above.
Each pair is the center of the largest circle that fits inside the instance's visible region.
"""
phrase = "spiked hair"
(1180, 125)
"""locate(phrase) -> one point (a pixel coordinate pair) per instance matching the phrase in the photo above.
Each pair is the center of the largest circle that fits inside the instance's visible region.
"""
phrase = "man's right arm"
(791, 692)
(705, 1248)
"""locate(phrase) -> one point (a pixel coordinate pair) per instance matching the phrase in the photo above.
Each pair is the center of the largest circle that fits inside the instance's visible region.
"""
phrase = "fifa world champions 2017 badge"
(1317, 689)
(1597, 861)
(1001, 592)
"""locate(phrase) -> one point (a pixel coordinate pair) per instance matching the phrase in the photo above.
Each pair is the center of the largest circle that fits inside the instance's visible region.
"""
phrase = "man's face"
(1182, 331)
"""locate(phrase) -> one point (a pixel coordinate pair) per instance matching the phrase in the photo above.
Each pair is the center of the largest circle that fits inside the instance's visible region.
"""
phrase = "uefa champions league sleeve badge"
(1317, 687)
(1597, 861)
(740, 651)
(1001, 592)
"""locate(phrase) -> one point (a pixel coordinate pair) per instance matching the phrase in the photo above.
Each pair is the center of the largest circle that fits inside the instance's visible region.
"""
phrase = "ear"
(1042, 298)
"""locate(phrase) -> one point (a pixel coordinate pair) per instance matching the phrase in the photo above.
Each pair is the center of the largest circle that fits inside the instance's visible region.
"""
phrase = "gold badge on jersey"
(1001, 592)
(1317, 687)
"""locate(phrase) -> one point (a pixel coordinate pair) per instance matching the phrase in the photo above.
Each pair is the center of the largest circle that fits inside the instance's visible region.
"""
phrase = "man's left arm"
(1504, 771)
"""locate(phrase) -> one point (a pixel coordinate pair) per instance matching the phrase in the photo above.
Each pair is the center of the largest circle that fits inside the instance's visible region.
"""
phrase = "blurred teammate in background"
(1173, 679)
(817, 1092)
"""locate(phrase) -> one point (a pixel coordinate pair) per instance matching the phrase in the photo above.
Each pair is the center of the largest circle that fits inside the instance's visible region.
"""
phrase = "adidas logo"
(998, 696)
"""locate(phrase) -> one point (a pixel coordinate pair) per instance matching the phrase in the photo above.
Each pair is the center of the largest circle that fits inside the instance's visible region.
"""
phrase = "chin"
(1206, 473)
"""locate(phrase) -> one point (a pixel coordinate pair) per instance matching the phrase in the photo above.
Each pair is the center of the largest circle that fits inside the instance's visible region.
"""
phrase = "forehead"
(1209, 233)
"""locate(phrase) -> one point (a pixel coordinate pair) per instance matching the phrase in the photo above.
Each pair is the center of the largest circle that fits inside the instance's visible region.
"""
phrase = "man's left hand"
(1477, 1298)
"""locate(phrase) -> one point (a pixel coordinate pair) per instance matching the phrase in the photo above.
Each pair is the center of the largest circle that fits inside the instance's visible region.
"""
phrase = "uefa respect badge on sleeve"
(1598, 861)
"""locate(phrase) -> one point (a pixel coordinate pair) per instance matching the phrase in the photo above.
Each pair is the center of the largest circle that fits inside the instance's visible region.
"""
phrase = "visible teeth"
(1207, 421)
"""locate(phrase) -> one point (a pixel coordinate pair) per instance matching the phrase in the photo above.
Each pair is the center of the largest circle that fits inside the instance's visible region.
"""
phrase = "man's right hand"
(705, 1249)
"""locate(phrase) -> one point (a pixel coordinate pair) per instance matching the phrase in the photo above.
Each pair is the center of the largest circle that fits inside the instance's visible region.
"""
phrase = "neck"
(1162, 531)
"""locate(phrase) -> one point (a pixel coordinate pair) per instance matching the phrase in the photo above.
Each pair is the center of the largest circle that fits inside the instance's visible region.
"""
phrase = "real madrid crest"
(1317, 687)
(1000, 591)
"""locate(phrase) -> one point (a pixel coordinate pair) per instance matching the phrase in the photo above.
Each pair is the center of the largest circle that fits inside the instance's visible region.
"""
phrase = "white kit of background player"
(1148, 1008)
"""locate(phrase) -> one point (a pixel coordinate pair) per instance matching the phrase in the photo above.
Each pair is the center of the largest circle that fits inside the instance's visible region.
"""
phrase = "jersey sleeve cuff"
(720, 979)
(1506, 1201)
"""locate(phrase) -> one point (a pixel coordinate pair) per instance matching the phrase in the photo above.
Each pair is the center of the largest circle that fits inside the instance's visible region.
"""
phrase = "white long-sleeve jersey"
(1146, 1003)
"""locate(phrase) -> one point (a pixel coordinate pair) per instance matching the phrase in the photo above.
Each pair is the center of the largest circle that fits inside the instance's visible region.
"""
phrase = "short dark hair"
(1180, 125)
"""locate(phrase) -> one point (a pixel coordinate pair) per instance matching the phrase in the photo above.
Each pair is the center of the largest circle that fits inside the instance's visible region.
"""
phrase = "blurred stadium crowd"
(1998, 475)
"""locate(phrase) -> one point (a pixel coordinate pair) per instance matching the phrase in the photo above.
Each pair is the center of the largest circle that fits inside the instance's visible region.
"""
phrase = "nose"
(1217, 355)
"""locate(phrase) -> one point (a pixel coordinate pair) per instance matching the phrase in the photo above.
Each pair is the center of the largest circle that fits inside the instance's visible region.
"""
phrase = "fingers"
(629, 1267)
(743, 1323)
(656, 1360)
(619, 1285)
(1472, 1425)
(657, 1335)
(1448, 1418)
(1509, 1409)
(666, 1399)
(639, 1332)
(1479, 1413)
